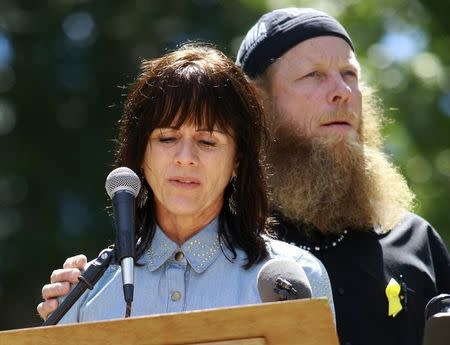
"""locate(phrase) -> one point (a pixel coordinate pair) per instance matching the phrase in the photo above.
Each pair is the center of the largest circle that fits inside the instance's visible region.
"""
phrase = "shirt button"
(341, 292)
(179, 256)
(176, 296)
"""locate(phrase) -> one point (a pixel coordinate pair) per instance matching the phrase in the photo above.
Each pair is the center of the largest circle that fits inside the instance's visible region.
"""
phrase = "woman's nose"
(186, 154)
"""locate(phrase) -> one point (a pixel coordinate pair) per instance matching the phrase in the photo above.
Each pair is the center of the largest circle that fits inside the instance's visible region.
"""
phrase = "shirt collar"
(200, 250)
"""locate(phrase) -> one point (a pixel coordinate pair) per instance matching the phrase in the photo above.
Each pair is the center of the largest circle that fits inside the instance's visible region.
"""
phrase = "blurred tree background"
(64, 68)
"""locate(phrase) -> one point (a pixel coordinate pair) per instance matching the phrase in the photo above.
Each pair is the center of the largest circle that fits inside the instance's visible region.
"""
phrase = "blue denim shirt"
(197, 275)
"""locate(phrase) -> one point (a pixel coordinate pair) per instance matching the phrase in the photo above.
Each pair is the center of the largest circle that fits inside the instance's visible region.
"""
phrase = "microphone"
(438, 304)
(281, 280)
(122, 186)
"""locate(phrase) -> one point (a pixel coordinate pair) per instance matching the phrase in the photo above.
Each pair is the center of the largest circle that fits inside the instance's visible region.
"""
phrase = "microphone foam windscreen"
(287, 270)
(122, 179)
(438, 304)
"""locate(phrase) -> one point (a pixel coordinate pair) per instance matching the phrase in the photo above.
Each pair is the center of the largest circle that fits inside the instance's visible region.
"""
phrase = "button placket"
(175, 275)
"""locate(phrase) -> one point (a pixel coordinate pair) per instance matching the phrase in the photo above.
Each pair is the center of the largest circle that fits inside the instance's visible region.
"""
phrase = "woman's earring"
(142, 196)
(232, 198)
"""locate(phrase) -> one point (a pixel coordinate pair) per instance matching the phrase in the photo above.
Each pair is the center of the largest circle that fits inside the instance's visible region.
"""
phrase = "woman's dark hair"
(198, 84)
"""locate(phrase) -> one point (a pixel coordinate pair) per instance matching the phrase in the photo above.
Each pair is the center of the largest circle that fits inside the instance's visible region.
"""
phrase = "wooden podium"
(301, 322)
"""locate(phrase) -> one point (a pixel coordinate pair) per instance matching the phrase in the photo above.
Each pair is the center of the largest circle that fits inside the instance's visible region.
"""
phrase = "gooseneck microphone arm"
(86, 281)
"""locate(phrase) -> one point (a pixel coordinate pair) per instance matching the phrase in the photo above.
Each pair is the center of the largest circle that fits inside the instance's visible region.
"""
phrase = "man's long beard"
(336, 182)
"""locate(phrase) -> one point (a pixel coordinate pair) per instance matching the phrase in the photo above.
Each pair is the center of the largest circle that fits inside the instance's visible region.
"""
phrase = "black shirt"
(360, 266)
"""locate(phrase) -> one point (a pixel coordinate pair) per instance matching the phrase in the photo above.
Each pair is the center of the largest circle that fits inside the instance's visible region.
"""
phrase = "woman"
(193, 130)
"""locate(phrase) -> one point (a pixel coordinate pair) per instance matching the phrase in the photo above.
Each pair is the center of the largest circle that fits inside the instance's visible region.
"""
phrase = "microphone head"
(122, 179)
(282, 279)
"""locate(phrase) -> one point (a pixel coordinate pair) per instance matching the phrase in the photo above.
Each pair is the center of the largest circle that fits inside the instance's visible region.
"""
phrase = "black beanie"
(278, 31)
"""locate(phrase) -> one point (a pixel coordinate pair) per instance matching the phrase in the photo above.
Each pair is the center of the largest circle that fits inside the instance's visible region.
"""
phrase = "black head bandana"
(278, 31)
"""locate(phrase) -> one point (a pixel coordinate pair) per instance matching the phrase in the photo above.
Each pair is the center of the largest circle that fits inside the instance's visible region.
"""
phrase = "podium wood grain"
(302, 322)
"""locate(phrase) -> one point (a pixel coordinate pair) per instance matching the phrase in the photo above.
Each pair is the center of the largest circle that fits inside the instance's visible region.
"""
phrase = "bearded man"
(335, 193)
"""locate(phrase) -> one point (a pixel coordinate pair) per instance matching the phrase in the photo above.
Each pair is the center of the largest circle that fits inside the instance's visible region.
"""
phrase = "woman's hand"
(60, 282)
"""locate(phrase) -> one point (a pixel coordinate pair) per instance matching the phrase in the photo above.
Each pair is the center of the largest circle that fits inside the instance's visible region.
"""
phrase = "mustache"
(340, 116)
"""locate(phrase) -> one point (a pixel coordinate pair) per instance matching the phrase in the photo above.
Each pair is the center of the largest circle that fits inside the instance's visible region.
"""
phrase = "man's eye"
(312, 74)
(350, 73)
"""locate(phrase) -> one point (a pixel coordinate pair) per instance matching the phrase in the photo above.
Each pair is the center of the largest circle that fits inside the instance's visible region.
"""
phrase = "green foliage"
(64, 68)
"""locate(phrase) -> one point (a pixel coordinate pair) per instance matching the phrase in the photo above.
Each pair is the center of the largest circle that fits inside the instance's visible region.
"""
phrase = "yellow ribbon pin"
(393, 296)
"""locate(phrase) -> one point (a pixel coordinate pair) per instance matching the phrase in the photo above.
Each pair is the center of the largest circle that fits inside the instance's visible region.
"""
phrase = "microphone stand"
(87, 280)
